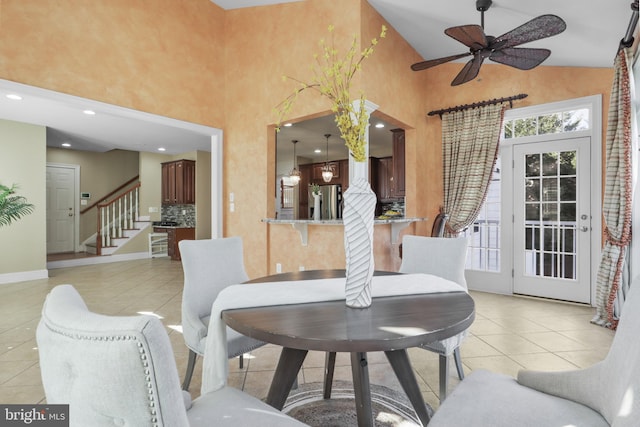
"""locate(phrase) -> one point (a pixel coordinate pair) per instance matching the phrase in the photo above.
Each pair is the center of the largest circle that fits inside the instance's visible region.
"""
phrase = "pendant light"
(327, 173)
(294, 175)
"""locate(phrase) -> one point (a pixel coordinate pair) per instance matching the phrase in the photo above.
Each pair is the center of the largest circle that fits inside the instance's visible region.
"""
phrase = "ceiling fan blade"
(472, 36)
(433, 62)
(538, 28)
(470, 71)
(522, 58)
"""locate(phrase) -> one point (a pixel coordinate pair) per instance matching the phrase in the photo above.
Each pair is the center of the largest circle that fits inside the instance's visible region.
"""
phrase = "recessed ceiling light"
(287, 125)
(379, 125)
(162, 149)
(14, 97)
(89, 112)
(66, 144)
(317, 151)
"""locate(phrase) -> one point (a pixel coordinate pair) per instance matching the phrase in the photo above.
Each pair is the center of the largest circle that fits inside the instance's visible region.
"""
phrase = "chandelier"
(294, 175)
(327, 172)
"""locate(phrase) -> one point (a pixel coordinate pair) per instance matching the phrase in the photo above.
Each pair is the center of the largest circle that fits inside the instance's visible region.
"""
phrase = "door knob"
(584, 228)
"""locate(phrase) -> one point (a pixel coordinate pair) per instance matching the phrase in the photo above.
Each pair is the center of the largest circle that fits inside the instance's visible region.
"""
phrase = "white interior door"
(552, 219)
(61, 209)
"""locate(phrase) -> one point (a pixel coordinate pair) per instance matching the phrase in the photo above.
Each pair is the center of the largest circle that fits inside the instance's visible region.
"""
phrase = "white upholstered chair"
(444, 257)
(605, 394)
(209, 266)
(120, 371)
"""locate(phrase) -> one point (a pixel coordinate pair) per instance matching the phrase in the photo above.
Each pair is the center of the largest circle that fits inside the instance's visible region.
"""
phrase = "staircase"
(118, 221)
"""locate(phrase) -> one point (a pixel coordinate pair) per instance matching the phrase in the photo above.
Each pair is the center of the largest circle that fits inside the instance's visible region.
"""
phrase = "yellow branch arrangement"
(332, 76)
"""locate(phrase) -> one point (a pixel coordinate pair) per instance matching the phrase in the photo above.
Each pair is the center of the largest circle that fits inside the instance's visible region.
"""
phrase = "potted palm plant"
(12, 206)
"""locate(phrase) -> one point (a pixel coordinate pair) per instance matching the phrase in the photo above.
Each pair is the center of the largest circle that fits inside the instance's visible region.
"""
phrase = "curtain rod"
(627, 41)
(508, 99)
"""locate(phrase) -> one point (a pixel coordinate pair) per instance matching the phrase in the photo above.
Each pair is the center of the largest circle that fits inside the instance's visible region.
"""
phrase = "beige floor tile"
(519, 324)
(487, 327)
(510, 333)
(512, 344)
(554, 341)
(594, 337)
(8, 370)
(584, 358)
(24, 351)
(567, 323)
(23, 394)
(29, 377)
(543, 362)
(476, 347)
(501, 364)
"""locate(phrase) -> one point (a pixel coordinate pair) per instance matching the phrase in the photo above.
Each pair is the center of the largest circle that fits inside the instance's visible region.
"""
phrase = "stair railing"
(117, 215)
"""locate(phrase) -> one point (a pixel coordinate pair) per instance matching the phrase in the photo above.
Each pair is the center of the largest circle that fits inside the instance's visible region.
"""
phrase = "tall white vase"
(358, 216)
(316, 206)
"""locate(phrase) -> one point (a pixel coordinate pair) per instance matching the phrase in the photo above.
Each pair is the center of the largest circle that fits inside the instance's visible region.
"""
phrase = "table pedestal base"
(291, 361)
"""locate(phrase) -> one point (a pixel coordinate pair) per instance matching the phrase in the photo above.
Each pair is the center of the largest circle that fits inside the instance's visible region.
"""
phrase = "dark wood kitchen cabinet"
(174, 235)
(179, 182)
(398, 181)
(383, 181)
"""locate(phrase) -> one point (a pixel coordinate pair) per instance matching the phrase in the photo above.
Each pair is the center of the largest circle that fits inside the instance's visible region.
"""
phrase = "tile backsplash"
(175, 213)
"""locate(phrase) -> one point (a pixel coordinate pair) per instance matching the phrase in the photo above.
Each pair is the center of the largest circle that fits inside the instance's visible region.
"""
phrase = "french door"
(552, 219)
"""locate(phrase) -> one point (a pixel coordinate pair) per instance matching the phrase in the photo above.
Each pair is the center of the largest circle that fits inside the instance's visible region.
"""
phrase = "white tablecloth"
(215, 364)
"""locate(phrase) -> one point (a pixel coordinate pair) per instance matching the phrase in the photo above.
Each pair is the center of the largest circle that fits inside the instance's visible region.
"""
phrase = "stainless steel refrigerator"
(330, 202)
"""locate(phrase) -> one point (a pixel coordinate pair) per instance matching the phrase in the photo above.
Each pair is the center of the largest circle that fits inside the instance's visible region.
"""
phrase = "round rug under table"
(390, 407)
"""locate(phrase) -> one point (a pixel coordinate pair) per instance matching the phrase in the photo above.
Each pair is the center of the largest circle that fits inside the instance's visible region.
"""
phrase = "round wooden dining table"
(391, 324)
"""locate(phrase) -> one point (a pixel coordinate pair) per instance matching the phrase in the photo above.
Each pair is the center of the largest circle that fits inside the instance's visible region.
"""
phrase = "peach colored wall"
(162, 57)
(193, 61)
(264, 44)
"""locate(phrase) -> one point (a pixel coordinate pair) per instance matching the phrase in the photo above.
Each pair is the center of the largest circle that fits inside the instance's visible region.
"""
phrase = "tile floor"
(510, 333)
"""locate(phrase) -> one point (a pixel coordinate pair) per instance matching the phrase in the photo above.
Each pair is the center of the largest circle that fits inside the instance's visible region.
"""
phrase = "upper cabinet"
(179, 182)
(397, 181)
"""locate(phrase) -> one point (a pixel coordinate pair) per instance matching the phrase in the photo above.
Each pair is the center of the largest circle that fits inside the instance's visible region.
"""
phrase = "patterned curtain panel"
(470, 148)
(617, 195)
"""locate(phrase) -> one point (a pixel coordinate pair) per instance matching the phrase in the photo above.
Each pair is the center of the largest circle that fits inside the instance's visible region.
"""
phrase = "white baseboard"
(97, 260)
(23, 276)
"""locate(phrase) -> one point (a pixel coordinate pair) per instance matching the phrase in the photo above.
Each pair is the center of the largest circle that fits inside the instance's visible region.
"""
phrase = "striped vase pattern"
(358, 215)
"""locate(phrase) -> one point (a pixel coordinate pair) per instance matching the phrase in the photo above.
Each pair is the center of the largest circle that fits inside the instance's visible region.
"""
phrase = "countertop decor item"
(333, 73)
(317, 198)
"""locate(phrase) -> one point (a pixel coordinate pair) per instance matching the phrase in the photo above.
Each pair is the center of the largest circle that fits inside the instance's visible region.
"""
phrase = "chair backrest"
(619, 382)
(440, 256)
(110, 370)
(438, 225)
(209, 266)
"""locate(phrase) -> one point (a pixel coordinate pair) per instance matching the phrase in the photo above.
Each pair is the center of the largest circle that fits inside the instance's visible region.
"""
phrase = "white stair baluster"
(131, 209)
(103, 235)
(114, 230)
(120, 217)
(137, 206)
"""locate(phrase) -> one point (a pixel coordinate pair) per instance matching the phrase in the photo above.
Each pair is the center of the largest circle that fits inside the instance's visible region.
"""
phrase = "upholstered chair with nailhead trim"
(120, 371)
(601, 395)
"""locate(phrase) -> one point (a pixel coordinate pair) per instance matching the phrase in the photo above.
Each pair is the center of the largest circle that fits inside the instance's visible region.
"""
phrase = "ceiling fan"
(500, 49)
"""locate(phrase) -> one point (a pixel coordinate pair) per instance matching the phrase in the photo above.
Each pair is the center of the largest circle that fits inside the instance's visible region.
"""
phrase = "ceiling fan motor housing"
(483, 5)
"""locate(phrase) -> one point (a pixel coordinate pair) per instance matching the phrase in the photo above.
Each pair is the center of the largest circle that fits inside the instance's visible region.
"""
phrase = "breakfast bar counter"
(301, 225)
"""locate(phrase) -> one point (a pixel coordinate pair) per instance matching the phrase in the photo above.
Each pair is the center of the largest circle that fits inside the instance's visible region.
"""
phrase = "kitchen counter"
(175, 233)
(301, 225)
